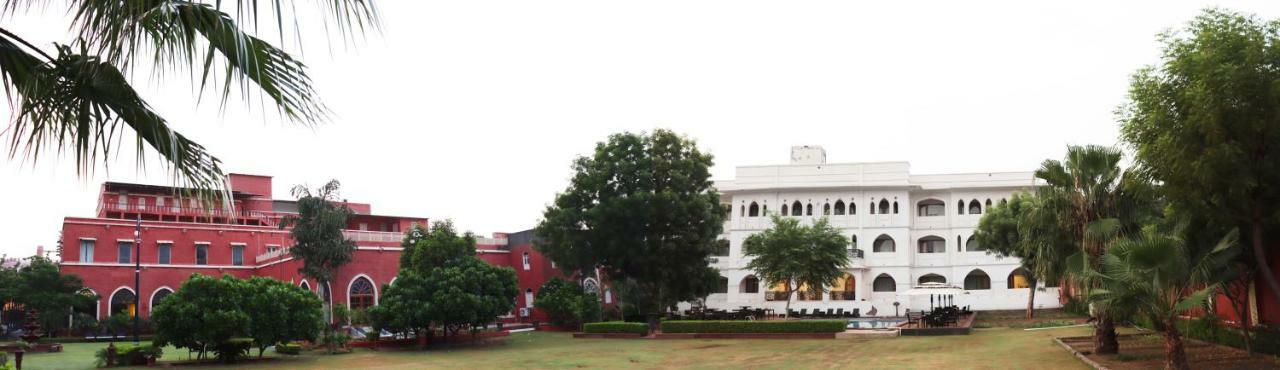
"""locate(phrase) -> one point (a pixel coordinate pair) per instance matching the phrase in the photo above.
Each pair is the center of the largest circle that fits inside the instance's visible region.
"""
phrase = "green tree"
(280, 312)
(203, 313)
(471, 293)
(642, 207)
(1203, 123)
(795, 255)
(566, 303)
(77, 97)
(1151, 274)
(54, 296)
(1087, 194)
(1021, 228)
(317, 233)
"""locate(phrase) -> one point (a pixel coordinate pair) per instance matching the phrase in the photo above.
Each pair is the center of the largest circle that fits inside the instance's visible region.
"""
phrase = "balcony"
(270, 255)
(174, 212)
(374, 236)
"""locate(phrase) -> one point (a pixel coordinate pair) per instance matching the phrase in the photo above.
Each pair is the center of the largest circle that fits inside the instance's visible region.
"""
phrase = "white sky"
(474, 110)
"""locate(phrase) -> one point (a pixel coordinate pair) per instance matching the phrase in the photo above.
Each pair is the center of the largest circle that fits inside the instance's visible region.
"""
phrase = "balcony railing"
(373, 236)
(272, 254)
(265, 218)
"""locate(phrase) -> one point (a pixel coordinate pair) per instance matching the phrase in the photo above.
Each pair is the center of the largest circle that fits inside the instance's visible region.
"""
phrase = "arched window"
(931, 278)
(742, 211)
(808, 209)
(972, 245)
(872, 208)
(1004, 202)
(988, 202)
(524, 260)
(777, 292)
(884, 243)
(157, 297)
(895, 207)
(749, 284)
(960, 207)
(1019, 279)
(977, 280)
(930, 208)
(304, 285)
(807, 293)
(844, 288)
(975, 208)
(326, 294)
(853, 208)
(853, 242)
(932, 244)
(826, 209)
(884, 207)
(361, 294)
(784, 209)
(839, 207)
(123, 301)
(797, 209)
(764, 210)
(722, 285)
(884, 283)
(754, 211)
(90, 309)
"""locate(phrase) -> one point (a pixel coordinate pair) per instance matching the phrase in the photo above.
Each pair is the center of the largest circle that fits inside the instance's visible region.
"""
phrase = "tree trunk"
(1260, 254)
(1175, 355)
(786, 313)
(1031, 300)
(1104, 335)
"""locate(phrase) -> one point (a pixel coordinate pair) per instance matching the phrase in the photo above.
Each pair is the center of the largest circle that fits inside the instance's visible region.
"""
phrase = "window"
(608, 296)
(123, 301)
(164, 253)
(142, 203)
(742, 211)
(125, 252)
(722, 285)
(361, 295)
(159, 204)
(884, 207)
(826, 209)
(843, 289)
(932, 244)
(872, 208)
(177, 205)
(750, 284)
(777, 292)
(158, 297)
(1019, 279)
(975, 208)
(86, 251)
(364, 226)
(884, 283)
(895, 207)
(960, 207)
(930, 208)
(305, 285)
(884, 243)
(784, 210)
(764, 210)
(237, 255)
(754, 210)
(839, 208)
(1004, 202)
(977, 280)
(202, 254)
(796, 208)
(932, 278)
(988, 202)
(123, 201)
(721, 249)
(525, 260)
(807, 293)
(853, 241)
(528, 297)
(972, 245)
(853, 208)
(808, 209)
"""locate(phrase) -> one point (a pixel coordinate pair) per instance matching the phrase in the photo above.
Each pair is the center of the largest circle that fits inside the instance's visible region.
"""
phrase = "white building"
(905, 229)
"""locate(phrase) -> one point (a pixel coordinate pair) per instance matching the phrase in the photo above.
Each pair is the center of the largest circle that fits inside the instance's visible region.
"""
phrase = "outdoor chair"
(840, 312)
(804, 312)
(855, 313)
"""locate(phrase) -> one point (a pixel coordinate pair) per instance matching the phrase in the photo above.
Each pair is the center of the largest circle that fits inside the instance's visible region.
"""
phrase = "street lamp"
(137, 278)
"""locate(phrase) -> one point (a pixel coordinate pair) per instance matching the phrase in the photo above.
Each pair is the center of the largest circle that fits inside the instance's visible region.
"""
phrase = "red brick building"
(181, 236)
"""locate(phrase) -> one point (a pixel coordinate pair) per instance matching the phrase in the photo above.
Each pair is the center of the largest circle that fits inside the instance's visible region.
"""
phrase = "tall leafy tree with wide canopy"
(78, 97)
(797, 255)
(1022, 228)
(40, 286)
(643, 208)
(1094, 201)
(1205, 123)
(318, 239)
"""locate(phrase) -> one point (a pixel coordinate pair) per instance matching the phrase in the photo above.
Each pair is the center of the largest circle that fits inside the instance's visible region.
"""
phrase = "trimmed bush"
(288, 348)
(128, 355)
(616, 327)
(800, 326)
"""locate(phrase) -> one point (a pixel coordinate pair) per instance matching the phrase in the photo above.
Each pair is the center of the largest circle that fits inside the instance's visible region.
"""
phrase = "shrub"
(233, 349)
(289, 348)
(128, 355)
(1076, 306)
(616, 327)
(801, 326)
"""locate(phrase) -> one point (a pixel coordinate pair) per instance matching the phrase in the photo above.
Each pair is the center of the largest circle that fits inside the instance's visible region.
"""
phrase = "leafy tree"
(1021, 228)
(54, 296)
(1093, 201)
(1151, 274)
(795, 255)
(405, 307)
(279, 312)
(642, 207)
(471, 293)
(566, 303)
(1203, 123)
(317, 233)
(76, 96)
(203, 313)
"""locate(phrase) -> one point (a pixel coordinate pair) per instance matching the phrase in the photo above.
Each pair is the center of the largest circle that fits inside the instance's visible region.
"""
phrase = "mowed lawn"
(995, 348)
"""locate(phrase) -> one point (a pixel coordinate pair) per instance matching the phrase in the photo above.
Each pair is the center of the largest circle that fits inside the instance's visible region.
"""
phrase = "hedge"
(616, 327)
(797, 326)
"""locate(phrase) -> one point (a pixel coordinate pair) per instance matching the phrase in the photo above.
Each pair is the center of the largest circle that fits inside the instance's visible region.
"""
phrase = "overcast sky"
(474, 110)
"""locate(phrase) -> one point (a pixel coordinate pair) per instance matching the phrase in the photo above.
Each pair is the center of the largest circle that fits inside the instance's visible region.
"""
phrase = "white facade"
(867, 201)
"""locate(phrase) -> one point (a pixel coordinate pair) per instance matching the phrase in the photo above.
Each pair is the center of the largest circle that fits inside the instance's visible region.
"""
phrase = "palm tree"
(77, 97)
(1022, 228)
(1087, 187)
(1150, 274)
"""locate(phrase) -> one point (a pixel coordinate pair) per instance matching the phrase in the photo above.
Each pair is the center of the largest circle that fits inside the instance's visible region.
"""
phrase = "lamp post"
(137, 278)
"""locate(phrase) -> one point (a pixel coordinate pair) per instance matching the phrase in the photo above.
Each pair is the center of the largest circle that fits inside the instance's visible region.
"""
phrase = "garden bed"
(1146, 351)
(608, 335)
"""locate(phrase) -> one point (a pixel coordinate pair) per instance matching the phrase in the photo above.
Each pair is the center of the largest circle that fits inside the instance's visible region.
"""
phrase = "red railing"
(265, 218)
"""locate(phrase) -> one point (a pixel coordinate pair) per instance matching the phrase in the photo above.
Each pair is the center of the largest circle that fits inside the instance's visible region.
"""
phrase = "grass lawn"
(994, 348)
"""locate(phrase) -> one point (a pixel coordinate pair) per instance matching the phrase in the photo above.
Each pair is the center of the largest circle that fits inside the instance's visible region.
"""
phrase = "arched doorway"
(844, 288)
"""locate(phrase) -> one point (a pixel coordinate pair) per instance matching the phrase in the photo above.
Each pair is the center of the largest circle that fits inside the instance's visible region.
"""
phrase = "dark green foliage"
(797, 255)
(616, 327)
(565, 303)
(207, 312)
(279, 312)
(317, 231)
(787, 326)
(41, 286)
(289, 348)
(128, 355)
(643, 208)
(233, 349)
